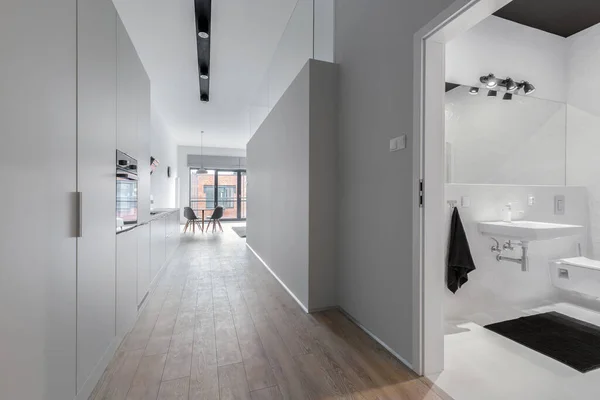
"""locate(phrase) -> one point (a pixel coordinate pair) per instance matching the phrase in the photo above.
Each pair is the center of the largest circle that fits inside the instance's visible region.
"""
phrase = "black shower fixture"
(203, 13)
(492, 93)
(507, 96)
(491, 82)
(474, 91)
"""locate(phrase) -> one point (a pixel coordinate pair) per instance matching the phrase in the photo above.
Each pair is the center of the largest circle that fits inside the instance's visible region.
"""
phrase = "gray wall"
(291, 187)
(278, 192)
(374, 48)
(323, 188)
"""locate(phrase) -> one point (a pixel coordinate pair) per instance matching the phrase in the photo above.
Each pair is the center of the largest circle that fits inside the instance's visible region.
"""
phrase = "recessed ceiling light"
(507, 96)
(474, 91)
(492, 93)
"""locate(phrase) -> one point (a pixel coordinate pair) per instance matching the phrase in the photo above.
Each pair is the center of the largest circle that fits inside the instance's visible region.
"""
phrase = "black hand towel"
(460, 262)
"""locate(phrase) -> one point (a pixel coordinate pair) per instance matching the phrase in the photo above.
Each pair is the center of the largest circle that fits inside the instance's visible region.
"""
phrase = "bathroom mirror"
(490, 140)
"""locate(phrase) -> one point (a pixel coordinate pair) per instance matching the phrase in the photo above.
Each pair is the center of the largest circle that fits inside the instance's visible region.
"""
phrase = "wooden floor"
(219, 326)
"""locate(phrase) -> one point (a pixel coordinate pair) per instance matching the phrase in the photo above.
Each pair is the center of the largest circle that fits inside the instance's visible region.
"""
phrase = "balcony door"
(225, 188)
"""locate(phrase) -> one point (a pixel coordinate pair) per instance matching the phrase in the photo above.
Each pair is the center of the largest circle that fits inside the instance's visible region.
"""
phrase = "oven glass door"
(127, 200)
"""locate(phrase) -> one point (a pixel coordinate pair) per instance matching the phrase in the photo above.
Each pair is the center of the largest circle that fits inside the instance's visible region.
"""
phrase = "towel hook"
(452, 203)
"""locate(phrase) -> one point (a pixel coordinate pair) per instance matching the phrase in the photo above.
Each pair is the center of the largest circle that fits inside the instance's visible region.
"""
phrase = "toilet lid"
(582, 262)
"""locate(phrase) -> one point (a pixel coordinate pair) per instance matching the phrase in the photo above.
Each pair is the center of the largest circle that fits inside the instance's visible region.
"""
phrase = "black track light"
(204, 71)
(507, 96)
(510, 84)
(204, 98)
(492, 93)
(528, 88)
(474, 91)
(203, 28)
(490, 81)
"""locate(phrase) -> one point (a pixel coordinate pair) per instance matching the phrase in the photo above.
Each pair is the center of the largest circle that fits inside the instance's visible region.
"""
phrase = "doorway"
(225, 188)
(429, 169)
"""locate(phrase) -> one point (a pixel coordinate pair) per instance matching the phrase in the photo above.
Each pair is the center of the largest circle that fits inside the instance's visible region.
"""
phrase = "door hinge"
(421, 193)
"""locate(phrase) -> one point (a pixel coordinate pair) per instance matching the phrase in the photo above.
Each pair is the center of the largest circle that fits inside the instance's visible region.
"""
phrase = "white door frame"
(429, 167)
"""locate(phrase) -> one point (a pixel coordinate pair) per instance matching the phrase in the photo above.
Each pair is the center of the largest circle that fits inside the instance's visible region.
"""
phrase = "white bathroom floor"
(480, 364)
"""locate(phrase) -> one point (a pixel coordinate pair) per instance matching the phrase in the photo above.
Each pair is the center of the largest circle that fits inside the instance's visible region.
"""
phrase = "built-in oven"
(127, 190)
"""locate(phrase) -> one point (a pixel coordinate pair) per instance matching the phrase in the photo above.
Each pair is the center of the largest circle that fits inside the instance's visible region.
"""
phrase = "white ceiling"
(244, 37)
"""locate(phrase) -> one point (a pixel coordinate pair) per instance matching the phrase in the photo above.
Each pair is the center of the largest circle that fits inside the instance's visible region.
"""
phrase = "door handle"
(79, 215)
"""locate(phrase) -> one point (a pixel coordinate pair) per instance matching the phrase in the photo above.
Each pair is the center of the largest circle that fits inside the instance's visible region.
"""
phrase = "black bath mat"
(565, 339)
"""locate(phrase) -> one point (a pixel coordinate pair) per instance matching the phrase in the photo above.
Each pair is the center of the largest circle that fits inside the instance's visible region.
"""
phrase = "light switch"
(398, 143)
(559, 204)
(530, 200)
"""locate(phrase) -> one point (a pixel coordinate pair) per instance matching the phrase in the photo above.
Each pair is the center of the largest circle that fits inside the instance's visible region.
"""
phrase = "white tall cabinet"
(96, 146)
(38, 178)
(65, 66)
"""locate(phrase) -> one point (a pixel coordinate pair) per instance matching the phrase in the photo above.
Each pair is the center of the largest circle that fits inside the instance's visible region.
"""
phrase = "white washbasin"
(528, 230)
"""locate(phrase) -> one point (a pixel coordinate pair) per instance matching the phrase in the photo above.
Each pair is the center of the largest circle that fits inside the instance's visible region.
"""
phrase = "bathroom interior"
(522, 128)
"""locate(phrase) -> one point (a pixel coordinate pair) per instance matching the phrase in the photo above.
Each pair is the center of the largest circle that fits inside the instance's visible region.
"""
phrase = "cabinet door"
(96, 30)
(127, 263)
(38, 179)
(158, 246)
(143, 274)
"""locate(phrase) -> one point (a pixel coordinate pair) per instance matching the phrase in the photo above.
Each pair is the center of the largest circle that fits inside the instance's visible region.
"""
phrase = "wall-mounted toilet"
(577, 274)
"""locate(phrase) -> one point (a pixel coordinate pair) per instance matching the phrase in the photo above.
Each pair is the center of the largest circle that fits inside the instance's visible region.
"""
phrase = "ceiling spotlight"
(204, 71)
(507, 96)
(490, 81)
(510, 84)
(474, 91)
(492, 93)
(203, 28)
(204, 98)
(528, 88)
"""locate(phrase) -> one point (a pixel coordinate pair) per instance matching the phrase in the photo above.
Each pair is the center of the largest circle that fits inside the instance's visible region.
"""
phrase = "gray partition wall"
(291, 187)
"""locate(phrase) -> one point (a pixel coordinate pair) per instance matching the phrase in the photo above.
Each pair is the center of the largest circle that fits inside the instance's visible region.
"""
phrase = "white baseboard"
(381, 342)
(278, 280)
(94, 378)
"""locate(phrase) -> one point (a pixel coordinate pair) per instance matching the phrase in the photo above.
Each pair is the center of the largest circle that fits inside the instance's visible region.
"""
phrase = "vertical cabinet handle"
(79, 214)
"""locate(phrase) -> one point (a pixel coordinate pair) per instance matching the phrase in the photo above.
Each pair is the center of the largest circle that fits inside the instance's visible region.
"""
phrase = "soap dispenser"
(507, 213)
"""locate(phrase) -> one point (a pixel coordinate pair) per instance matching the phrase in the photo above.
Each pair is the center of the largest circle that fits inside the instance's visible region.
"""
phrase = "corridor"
(219, 326)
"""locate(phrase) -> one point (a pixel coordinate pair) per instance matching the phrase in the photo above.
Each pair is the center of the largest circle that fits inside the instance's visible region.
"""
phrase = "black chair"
(215, 218)
(192, 219)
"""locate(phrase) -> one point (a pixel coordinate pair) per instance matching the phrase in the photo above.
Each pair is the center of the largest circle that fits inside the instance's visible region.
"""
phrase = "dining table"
(203, 213)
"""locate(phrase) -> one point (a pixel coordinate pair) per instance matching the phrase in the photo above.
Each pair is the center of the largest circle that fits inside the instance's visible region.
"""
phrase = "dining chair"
(215, 218)
(192, 219)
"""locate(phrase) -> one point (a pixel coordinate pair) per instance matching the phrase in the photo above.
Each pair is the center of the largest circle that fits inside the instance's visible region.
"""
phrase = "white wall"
(374, 47)
(278, 188)
(164, 149)
(583, 118)
(493, 141)
(291, 187)
(508, 49)
(499, 291)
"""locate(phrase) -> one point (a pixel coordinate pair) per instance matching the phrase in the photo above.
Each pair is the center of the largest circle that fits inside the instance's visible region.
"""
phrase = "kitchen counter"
(155, 214)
